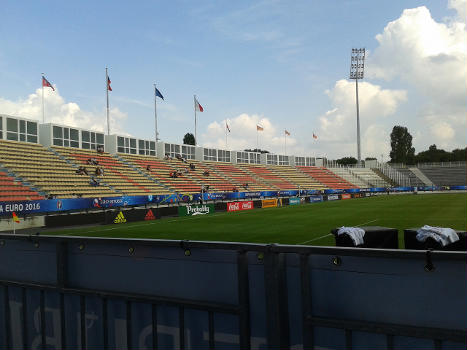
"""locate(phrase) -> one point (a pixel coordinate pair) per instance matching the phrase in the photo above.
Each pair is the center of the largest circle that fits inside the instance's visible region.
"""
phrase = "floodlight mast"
(357, 65)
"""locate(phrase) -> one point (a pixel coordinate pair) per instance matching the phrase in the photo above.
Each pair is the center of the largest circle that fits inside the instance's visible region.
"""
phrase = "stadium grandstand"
(55, 176)
(40, 161)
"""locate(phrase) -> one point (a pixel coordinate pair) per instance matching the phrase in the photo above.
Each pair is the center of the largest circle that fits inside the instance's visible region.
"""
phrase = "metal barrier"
(83, 293)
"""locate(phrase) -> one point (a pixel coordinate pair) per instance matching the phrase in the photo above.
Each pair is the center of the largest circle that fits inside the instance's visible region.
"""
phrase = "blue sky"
(277, 62)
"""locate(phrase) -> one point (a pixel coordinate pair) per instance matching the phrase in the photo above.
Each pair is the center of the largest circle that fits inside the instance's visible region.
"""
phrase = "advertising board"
(192, 210)
(333, 197)
(237, 206)
(346, 196)
(294, 201)
(314, 199)
(269, 203)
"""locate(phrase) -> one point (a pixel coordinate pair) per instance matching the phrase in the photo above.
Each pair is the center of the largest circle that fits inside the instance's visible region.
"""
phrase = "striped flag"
(198, 107)
(45, 83)
(259, 128)
(287, 133)
(15, 218)
(108, 84)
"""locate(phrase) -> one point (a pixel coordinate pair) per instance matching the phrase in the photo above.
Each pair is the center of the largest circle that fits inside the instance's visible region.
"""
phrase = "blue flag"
(158, 94)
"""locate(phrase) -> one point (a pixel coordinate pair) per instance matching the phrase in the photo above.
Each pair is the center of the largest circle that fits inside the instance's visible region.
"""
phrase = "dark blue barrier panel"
(314, 199)
(87, 293)
(429, 188)
(401, 189)
(288, 193)
(352, 190)
(457, 187)
(332, 191)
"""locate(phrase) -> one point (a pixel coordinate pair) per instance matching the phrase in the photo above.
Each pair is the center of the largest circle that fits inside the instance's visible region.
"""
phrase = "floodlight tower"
(357, 65)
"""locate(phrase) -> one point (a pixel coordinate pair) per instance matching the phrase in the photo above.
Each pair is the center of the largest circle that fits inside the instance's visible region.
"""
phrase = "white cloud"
(338, 127)
(58, 111)
(431, 58)
(243, 135)
(461, 7)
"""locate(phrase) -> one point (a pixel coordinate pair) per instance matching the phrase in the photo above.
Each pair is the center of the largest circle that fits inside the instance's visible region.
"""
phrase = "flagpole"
(257, 143)
(43, 113)
(107, 92)
(155, 111)
(194, 103)
(285, 144)
(226, 134)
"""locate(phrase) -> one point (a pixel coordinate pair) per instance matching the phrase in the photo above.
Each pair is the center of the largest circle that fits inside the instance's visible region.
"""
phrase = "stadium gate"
(83, 293)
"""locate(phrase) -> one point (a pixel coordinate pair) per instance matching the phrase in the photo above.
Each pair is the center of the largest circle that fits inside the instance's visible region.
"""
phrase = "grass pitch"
(300, 224)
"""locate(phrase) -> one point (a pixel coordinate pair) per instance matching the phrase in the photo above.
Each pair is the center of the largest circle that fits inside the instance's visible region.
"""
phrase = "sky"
(281, 64)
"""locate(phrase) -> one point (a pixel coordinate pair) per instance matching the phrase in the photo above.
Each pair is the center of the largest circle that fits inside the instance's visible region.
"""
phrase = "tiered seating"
(446, 176)
(267, 176)
(46, 171)
(414, 180)
(349, 177)
(296, 177)
(160, 170)
(216, 182)
(119, 176)
(11, 190)
(326, 177)
(237, 176)
(370, 176)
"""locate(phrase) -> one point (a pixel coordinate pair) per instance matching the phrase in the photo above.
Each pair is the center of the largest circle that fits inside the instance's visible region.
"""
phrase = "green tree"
(433, 154)
(459, 155)
(346, 161)
(401, 146)
(189, 139)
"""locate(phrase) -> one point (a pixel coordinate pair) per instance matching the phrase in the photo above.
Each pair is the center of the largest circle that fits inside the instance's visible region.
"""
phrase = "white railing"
(441, 164)
(396, 176)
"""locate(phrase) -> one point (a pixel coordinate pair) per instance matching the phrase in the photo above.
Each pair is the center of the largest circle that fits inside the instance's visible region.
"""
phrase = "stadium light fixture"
(357, 65)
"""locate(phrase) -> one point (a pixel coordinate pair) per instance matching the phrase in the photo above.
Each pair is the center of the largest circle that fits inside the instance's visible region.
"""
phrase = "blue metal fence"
(87, 293)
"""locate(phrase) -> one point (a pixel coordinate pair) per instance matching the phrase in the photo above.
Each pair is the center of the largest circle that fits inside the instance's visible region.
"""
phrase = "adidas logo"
(119, 219)
(149, 215)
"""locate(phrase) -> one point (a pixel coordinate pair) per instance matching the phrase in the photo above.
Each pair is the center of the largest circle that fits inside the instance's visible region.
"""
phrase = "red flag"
(45, 83)
(314, 136)
(108, 84)
(259, 128)
(287, 133)
(198, 107)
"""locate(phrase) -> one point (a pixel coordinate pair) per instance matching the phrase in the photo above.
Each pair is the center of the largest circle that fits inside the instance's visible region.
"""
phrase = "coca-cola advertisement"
(236, 206)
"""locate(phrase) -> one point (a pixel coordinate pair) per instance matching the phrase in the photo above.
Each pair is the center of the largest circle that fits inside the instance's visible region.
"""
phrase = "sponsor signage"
(236, 206)
(314, 199)
(120, 218)
(294, 201)
(269, 203)
(346, 196)
(77, 204)
(193, 210)
(149, 215)
(333, 197)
